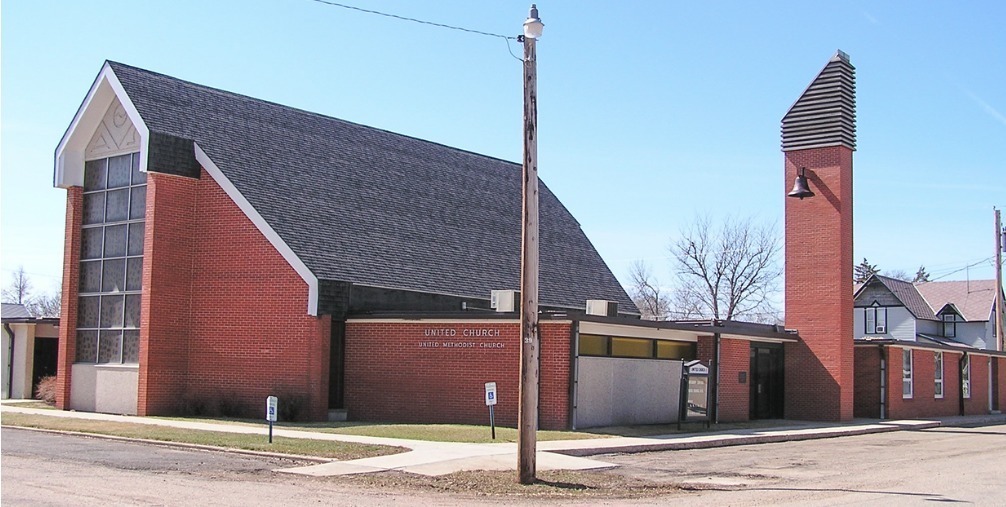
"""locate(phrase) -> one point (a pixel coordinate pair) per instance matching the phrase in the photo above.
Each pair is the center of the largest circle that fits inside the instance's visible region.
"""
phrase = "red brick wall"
(867, 389)
(979, 402)
(554, 376)
(818, 253)
(165, 327)
(224, 316)
(735, 358)
(68, 311)
(392, 376)
(923, 402)
(1001, 384)
(250, 335)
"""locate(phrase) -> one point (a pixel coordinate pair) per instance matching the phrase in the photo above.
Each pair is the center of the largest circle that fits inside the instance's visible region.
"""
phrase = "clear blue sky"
(650, 113)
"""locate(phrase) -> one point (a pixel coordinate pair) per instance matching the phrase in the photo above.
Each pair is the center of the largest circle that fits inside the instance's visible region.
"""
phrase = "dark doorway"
(766, 381)
(46, 359)
(337, 366)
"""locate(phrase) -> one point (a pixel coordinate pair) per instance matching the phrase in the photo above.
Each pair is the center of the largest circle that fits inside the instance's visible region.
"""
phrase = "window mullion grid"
(115, 331)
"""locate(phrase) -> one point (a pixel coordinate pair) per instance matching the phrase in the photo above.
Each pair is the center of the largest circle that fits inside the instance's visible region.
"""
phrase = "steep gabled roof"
(363, 205)
(906, 293)
(973, 299)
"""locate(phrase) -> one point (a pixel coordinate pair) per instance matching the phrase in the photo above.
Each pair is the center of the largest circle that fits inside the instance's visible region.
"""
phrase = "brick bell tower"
(818, 138)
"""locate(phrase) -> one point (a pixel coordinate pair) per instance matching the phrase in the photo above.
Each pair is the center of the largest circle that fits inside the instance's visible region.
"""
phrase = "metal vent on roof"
(825, 115)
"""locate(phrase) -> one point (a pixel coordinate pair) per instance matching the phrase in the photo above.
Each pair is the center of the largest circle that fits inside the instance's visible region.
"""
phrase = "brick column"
(819, 135)
(68, 310)
(167, 283)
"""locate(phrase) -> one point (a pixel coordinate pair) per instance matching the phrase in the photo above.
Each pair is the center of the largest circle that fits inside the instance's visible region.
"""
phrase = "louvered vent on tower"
(825, 115)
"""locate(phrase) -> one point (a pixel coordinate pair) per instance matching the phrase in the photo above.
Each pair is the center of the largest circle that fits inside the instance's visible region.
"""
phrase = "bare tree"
(898, 274)
(729, 272)
(47, 305)
(19, 289)
(653, 302)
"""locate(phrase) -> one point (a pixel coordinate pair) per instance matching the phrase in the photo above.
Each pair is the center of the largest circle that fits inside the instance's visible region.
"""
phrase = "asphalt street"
(947, 465)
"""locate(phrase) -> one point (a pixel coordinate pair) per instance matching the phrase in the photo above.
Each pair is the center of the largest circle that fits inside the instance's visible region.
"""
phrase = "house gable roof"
(972, 299)
(904, 292)
(363, 205)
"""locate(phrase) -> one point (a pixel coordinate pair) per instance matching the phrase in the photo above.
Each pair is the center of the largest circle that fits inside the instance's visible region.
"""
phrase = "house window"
(966, 377)
(906, 373)
(938, 375)
(949, 325)
(876, 320)
(111, 261)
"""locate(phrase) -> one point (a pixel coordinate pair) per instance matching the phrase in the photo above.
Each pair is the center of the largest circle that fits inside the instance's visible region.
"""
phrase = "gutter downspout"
(960, 381)
(883, 382)
(991, 405)
(574, 371)
(10, 357)
(716, 377)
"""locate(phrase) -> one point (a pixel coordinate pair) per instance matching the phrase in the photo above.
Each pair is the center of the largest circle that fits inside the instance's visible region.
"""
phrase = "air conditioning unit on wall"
(504, 301)
(602, 307)
(881, 329)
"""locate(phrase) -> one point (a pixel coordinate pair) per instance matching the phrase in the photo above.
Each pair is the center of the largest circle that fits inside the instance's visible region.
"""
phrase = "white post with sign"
(491, 402)
(270, 412)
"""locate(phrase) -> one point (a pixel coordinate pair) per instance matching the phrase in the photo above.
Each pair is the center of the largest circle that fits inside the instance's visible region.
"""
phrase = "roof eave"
(69, 157)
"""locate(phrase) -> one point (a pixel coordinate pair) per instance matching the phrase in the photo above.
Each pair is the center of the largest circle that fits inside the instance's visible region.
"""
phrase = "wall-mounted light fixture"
(800, 188)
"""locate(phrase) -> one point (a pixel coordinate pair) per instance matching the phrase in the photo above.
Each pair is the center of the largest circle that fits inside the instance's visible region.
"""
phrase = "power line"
(414, 20)
(961, 269)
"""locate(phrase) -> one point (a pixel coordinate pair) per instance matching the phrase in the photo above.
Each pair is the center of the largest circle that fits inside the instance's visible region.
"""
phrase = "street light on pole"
(527, 419)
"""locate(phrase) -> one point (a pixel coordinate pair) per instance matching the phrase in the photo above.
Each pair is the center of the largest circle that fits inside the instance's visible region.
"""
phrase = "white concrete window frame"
(906, 374)
(966, 378)
(938, 375)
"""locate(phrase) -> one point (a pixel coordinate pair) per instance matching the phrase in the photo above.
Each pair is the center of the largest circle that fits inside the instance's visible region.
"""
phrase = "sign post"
(491, 402)
(270, 412)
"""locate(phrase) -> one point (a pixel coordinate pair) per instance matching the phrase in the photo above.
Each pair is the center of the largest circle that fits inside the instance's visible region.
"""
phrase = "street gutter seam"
(184, 445)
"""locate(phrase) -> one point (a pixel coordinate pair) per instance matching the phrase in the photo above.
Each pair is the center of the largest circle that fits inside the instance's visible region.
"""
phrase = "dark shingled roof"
(907, 293)
(371, 207)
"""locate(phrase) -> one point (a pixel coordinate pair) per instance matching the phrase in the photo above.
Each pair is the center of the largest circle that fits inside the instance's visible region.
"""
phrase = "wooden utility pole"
(527, 423)
(1000, 243)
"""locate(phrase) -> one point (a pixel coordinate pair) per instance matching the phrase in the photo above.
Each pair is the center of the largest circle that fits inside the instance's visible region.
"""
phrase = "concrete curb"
(437, 458)
(182, 445)
(711, 441)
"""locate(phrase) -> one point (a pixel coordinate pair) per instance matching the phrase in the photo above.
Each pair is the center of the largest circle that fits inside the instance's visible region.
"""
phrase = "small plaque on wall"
(742, 377)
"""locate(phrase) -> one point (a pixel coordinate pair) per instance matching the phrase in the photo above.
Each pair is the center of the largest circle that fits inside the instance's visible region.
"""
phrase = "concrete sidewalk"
(439, 458)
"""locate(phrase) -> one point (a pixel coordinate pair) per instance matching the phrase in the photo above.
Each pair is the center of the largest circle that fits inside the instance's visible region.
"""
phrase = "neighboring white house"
(30, 348)
(956, 313)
